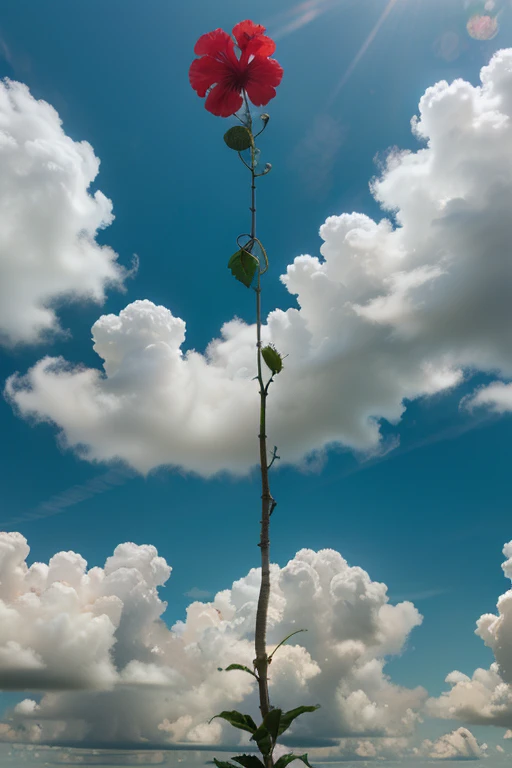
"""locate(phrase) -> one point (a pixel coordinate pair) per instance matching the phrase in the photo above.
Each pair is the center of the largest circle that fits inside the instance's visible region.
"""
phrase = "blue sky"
(429, 518)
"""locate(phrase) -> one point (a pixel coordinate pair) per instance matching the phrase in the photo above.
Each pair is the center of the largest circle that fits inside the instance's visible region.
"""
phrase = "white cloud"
(366, 749)
(102, 759)
(390, 314)
(496, 396)
(457, 745)
(48, 219)
(460, 744)
(486, 697)
(99, 631)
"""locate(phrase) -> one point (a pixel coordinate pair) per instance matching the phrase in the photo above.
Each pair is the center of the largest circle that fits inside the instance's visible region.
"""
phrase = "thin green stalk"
(261, 661)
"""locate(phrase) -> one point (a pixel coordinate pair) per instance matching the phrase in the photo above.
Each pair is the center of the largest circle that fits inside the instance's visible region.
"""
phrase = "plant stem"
(261, 661)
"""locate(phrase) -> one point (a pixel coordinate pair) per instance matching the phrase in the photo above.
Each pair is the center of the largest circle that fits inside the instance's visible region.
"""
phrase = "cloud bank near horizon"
(113, 676)
(112, 672)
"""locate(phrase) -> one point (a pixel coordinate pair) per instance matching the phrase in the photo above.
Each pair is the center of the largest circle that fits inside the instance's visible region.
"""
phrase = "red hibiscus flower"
(226, 77)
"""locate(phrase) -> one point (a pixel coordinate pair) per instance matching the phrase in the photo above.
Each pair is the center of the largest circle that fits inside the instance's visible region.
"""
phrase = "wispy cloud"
(287, 22)
(396, 449)
(422, 594)
(19, 61)
(314, 156)
(196, 594)
(73, 495)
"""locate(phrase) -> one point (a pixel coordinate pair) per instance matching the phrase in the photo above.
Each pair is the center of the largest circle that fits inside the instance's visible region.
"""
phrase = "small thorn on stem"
(275, 457)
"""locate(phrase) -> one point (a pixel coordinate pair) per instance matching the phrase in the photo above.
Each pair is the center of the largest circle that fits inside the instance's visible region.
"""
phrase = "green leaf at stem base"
(249, 761)
(285, 759)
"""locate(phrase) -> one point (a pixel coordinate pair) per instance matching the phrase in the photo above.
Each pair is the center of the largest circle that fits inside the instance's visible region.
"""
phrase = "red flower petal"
(204, 73)
(223, 102)
(263, 76)
(261, 45)
(213, 43)
(247, 29)
(250, 35)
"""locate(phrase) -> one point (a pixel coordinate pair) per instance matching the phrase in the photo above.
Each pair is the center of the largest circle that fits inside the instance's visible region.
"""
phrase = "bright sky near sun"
(129, 516)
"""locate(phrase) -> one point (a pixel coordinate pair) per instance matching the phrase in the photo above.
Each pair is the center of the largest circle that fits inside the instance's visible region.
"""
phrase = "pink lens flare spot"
(482, 27)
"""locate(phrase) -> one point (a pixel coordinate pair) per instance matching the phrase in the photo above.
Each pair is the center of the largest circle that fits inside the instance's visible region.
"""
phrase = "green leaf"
(242, 668)
(285, 759)
(266, 734)
(223, 763)
(260, 732)
(262, 738)
(271, 722)
(249, 761)
(236, 719)
(243, 266)
(288, 717)
(265, 745)
(238, 138)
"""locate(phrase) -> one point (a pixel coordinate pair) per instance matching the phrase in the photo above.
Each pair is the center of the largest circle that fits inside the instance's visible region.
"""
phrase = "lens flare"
(482, 27)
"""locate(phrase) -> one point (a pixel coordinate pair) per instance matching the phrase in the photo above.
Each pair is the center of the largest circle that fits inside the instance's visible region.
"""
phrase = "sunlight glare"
(482, 27)
(359, 55)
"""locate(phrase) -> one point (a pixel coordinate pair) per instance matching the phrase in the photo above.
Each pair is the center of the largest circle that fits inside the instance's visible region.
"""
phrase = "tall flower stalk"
(229, 81)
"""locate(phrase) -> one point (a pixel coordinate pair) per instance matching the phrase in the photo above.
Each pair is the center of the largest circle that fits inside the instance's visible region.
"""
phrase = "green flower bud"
(272, 358)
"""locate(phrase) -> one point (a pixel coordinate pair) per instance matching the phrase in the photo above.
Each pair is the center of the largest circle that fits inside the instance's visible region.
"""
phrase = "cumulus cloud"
(48, 219)
(460, 744)
(394, 310)
(485, 698)
(100, 632)
(58, 621)
(365, 749)
(457, 745)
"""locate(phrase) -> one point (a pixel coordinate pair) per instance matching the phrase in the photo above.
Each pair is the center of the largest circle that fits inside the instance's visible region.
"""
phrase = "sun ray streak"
(284, 24)
(361, 52)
